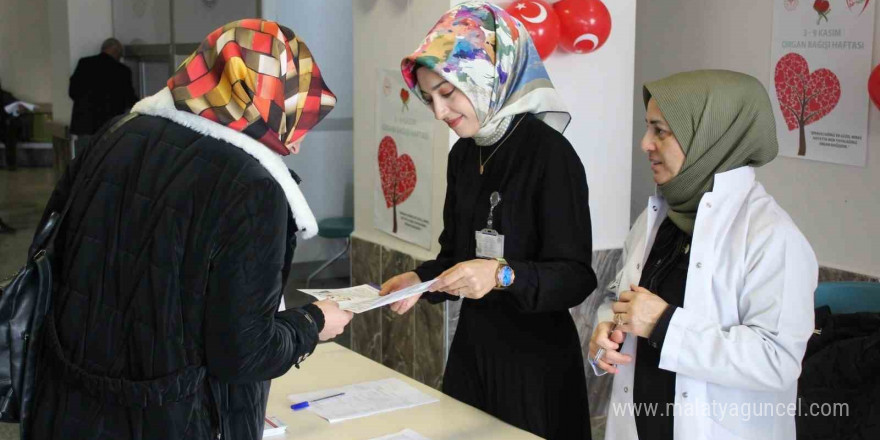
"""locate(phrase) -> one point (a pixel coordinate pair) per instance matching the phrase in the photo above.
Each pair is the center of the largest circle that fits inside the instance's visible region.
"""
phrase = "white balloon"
(585, 37)
(538, 18)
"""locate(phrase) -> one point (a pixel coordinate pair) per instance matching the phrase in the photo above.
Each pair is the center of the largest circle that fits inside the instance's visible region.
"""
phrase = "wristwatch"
(504, 275)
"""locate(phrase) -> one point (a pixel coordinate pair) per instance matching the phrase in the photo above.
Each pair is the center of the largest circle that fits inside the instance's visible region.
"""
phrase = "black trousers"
(11, 131)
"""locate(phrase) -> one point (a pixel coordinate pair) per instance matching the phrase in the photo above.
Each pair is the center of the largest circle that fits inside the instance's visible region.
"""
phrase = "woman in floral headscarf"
(516, 240)
(174, 255)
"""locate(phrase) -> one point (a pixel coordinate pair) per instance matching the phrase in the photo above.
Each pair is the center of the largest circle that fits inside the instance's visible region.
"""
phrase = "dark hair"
(111, 43)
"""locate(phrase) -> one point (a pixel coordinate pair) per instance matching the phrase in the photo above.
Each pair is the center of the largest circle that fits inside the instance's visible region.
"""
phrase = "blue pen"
(304, 405)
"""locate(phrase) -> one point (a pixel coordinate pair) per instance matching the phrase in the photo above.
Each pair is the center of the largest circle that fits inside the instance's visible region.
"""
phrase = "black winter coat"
(197, 236)
(101, 89)
(839, 387)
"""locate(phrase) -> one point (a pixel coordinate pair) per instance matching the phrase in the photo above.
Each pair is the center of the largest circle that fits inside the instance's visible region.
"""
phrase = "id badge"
(490, 244)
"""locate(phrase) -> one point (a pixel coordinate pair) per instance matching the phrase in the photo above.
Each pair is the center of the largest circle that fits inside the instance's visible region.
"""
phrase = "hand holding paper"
(361, 298)
(335, 319)
(399, 282)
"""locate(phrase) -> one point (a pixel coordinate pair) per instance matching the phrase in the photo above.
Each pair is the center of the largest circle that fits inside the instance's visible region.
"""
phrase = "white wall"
(25, 66)
(90, 23)
(325, 162)
(59, 61)
(384, 32)
(834, 205)
(596, 87)
(193, 20)
(141, 21)
(76, 29)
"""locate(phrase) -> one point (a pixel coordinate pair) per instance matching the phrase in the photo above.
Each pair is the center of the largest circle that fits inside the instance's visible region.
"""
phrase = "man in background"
(101, 88)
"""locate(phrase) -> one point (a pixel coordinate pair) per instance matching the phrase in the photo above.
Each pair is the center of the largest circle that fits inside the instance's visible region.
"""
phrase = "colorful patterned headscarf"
(256, 77)
(488, 55)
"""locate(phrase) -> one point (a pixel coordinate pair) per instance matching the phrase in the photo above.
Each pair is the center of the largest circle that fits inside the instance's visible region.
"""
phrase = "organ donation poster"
(821, 59)
(403, 162)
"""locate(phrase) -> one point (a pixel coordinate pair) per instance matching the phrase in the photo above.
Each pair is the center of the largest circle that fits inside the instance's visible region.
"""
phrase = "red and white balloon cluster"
(579, 26)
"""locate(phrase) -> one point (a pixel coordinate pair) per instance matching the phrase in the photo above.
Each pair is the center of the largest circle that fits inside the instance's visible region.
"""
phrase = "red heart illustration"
(804, 97)
(398, 175)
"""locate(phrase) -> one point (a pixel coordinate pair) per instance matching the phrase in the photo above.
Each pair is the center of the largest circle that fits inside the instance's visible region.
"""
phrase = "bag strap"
(45, 240)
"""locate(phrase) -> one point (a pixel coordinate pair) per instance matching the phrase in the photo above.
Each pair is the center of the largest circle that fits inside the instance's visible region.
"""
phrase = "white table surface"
(332, 366)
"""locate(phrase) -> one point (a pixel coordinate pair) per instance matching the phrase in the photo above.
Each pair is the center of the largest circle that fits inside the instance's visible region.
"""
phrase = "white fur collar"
(162, 104)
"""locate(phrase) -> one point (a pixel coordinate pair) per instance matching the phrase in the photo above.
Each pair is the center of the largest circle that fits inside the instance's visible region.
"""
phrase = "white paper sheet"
(273, 426)
(364, 399)
(361, 298)
(13, 109)
(406, 434)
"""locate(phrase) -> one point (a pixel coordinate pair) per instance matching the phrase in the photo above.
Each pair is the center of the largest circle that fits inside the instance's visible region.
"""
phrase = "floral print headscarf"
(488, 55)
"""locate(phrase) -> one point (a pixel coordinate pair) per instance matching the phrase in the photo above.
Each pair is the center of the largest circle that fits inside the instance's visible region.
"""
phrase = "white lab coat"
(748, 313)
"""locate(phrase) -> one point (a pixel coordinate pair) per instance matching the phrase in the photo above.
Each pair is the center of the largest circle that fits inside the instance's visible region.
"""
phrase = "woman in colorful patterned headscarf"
(255, 77)
(259, 80)
(488, 56)
(189, 216)
(516, 242)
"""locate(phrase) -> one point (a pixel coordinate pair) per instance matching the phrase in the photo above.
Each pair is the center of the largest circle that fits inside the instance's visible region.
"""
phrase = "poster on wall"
(403, 162)
(821, 59)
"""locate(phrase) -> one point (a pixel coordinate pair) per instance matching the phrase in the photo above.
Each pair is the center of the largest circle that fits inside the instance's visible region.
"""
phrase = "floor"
(23, 195)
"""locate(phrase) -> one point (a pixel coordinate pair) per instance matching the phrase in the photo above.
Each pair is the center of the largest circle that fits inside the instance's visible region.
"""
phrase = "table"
(333, 366)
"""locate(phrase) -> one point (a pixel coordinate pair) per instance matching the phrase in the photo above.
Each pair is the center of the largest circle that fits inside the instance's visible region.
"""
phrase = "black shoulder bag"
(25, 300)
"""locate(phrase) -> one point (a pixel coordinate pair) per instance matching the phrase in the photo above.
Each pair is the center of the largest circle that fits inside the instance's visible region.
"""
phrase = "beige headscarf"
(723, 120)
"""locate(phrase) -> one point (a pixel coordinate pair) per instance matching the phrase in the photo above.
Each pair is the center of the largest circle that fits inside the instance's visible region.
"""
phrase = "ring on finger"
(618, 319)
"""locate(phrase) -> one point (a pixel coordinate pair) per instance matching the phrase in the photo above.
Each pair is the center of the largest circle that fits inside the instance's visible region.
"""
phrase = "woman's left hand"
(470, 279)
(637, 311)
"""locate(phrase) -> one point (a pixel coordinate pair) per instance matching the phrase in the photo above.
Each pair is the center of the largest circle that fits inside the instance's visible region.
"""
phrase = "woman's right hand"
(401, 281)
(610, 340)
(335, 319)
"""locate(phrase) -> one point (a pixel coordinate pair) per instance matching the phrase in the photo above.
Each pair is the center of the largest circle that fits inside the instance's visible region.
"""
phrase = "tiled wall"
(413, 343)
(827, 274)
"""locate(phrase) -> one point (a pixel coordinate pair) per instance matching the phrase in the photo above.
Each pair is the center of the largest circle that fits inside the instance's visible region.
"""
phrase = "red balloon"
(541, 21)
(874, 86)
(586, 25)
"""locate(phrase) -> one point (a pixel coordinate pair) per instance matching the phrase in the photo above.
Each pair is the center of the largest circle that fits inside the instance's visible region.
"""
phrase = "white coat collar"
(736, 180)
(162, 105)
(733, 181)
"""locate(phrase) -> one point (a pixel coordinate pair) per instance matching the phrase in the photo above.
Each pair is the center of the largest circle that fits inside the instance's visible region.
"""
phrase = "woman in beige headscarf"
(714, 304)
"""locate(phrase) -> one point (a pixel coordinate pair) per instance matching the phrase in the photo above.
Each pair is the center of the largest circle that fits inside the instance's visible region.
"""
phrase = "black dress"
(665, 274)
(516, 352)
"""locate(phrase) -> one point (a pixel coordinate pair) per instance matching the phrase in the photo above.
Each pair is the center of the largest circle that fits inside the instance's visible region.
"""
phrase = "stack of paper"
(361, 298)
(364, 399)
(406, 434)
(273, 426)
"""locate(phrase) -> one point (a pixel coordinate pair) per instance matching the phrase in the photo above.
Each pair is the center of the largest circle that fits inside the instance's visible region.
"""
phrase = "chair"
(335, 227)
(849, 297)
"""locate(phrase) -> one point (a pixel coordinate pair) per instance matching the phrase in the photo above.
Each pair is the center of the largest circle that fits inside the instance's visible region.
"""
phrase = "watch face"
(506, 276)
